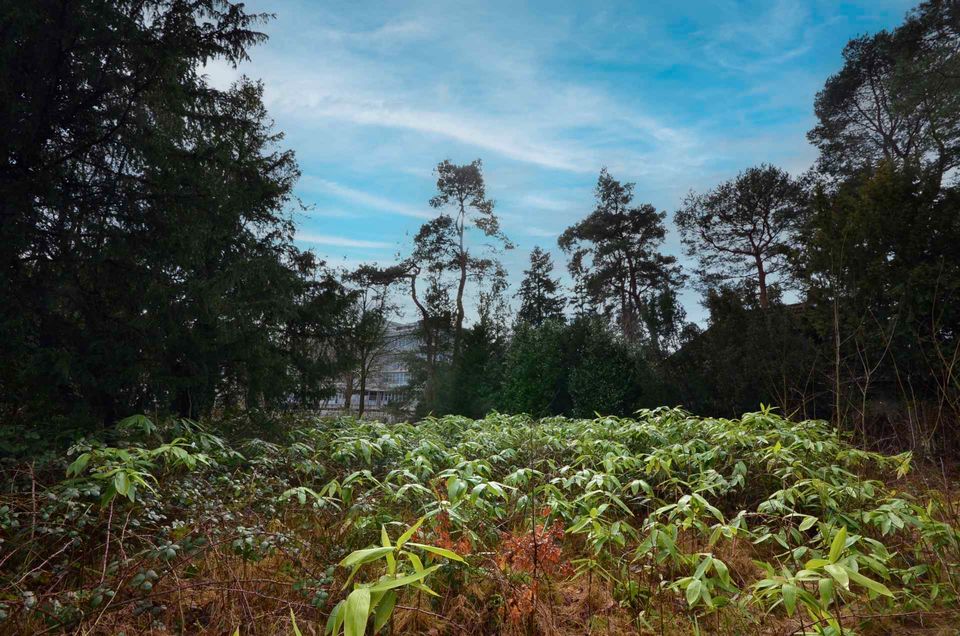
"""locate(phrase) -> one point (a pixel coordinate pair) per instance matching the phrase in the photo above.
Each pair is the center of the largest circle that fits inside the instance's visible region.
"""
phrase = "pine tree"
(539, 300)
(614, 254)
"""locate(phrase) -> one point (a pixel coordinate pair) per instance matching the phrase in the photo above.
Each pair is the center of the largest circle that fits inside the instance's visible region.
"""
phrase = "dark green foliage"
(585, 367)
(614, 254)
(747, 356)
(884, 270)
(896, 99)
(534, 371)
(145, 255)
(744, 228)
(182, 511)
(603, 371)
(470, 385)
(539, 300)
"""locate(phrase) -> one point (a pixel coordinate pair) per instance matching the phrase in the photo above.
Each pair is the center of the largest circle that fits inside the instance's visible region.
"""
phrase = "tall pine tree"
(146, 252)
(539, 301)
(615, 254)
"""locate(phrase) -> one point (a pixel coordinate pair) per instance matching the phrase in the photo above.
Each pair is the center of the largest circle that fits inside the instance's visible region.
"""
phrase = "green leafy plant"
(830, 576)
(404, 569)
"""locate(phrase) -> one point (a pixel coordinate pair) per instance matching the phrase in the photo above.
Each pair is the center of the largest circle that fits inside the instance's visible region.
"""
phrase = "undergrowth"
(665, 523)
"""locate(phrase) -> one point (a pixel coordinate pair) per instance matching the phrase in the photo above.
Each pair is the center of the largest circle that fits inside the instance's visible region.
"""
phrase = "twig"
(106, 546)
(434, 614)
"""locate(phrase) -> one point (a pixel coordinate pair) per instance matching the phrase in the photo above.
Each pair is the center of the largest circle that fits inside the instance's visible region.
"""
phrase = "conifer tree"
(539, 301)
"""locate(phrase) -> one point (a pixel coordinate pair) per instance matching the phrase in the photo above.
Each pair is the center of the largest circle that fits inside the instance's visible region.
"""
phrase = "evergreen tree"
(615, 254)
(539, 300)
(896, 99)
(535, 376)
(744, 228)
(463, 189)
(146, 254)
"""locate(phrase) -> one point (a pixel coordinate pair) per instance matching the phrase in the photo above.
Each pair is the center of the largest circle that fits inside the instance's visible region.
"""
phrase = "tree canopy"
(538, 293)
(615, 253)
(744, 228)
(146, 250)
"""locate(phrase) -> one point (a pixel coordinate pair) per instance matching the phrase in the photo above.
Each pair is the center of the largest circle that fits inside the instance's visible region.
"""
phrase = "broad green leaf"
(721, 569)
(705, 595)
(121, 483)
(870, 584)
(448, 554)
(335, 620)
(693, 592)
(826, 592)
(423, 588)
(415, 561)
(391, 564)
(384, 609)
(836, 549)
(455, 486)
(409, 533)
(355, 612)
(400, 581)
(78, 466)
(789, 592)
(707, 561)
(839, 574)
(364, 556)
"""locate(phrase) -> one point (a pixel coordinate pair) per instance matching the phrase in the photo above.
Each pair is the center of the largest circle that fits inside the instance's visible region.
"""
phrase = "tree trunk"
(363, 390)
(348, 392)
(429, 339)
(762, 279)
(463, 282)
(460, 312)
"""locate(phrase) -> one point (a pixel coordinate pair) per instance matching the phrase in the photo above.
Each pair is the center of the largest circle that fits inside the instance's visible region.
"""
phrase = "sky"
(672, 96)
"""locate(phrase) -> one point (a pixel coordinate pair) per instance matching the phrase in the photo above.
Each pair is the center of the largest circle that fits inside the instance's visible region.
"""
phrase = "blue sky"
(672, 96)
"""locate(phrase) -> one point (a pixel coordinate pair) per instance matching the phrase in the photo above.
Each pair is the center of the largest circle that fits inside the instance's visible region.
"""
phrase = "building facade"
(388, 380)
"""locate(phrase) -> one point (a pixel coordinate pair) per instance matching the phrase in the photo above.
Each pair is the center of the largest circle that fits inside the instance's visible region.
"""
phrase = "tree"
(896, 99)
(463, 189)
(882, 278)
(471, 385)
(539, 300)
(614, 252)
(146, 253)
(745, 357)
(534, 370)
(665, 321)
(422, 272)
(604, 370)
(366, 336)
(581, 368)
(744, 228)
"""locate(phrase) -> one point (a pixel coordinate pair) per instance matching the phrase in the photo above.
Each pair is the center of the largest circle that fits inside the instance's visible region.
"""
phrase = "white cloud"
(544, 202)
(484, 94)
(360, 197)
(389, 33)
(339, 241)
(509, 139)
(540, 232)
(749, 44)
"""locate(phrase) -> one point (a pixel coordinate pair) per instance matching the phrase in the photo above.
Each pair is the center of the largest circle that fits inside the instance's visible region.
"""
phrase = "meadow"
(663, 523)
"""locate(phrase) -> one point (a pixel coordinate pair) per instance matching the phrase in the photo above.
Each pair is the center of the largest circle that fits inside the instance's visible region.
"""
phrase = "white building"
(389, 377)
